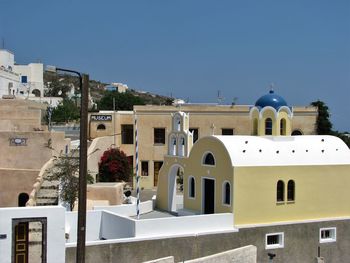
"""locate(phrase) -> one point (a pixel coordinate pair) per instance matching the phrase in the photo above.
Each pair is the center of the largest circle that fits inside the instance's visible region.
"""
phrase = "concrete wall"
(301, 244)
(245, 254)
(55, 230)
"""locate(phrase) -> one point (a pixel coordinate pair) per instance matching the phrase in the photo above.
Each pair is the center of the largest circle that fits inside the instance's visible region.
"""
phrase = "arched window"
(192, 188)
(182, 146)
(291, 191)
(283, 127)
(280, 191)
(297, 132)
(268, 126)
(23, 199)
(209, 159)
(255, 126)
(173, 146)
(177, 123)
(101, 127)
(226, 193)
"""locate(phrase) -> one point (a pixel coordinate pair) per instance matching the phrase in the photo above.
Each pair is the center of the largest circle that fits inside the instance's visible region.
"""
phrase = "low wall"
(114, 226)
(245, 254)
(186, 225)
(127, 210)
(93, 225)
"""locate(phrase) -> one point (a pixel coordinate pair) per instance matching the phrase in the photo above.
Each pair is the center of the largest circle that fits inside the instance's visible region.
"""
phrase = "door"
(21, 242)
(209, 196)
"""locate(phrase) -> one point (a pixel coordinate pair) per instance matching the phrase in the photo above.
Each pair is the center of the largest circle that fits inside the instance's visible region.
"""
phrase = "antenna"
(3, 43)
(220, 99)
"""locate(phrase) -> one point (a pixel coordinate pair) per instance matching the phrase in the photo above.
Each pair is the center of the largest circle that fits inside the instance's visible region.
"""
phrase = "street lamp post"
(81, 230)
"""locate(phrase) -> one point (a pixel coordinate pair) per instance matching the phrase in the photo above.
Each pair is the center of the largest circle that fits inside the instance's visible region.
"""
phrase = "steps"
(48, 193)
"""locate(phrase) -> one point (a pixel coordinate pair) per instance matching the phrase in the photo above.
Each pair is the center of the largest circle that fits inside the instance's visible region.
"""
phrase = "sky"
(192, 49)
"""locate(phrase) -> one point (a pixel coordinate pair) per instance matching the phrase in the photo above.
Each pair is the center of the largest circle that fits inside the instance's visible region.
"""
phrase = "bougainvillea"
(114, 166)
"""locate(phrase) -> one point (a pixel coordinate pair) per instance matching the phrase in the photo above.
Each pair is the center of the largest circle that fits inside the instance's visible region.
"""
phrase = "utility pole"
(114, 122)
(80, 256)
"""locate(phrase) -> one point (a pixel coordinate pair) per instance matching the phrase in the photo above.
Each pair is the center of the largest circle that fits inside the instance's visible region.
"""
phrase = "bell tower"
(180, 138)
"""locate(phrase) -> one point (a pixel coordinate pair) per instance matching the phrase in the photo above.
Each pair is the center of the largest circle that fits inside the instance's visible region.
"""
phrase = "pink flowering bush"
(114, 166)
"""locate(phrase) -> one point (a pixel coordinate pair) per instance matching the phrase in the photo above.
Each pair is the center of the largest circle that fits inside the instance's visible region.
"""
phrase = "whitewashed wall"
(93, 225)
(127, 210)
(197, 224)
(55, 230)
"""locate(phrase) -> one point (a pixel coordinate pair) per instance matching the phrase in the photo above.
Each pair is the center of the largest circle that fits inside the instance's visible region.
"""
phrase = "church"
(274, 184)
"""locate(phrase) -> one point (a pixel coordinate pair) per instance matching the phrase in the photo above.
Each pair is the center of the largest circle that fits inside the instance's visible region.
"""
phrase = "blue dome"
(271, 100)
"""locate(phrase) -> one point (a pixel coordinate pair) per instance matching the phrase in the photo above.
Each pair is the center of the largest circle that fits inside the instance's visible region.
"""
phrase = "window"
(297, 132)
(191, 188)
(177, 123)
(144, 168)
(226, 190)
(255, 126)
(159, 135)
(181, 146)
(227, 131)
(101, 127)
(24, 79)
(172, 146)
(291, 191)
(280, 191)
(195, 134)
(268, 126)
(127, 134)
(209, 159)
(328, 235)
(283, 127)
(274, 240)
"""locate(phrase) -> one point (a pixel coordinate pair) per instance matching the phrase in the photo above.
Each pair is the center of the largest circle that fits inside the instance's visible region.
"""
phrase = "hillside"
(62, 86)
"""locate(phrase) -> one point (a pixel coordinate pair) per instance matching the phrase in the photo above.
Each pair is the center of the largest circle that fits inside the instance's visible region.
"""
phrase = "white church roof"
(285, 150)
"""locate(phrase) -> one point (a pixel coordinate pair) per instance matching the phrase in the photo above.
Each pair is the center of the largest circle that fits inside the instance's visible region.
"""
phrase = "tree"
(66, 111)
(323, 124)
(66, 171)
(114, 166)
(123, 101)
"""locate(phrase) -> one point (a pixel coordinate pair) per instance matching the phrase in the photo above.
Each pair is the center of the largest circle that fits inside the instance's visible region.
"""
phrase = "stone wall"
(300, 245)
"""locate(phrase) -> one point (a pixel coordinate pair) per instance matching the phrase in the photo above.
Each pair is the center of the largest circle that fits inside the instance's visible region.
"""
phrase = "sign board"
(101, 117)
(18, 141)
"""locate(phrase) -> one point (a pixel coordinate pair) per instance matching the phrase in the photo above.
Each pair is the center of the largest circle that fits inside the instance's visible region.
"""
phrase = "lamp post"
(81, 230)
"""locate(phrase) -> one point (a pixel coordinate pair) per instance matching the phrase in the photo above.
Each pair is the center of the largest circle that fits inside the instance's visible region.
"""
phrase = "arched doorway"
(175, 194)
(23, 199)
(36, 93)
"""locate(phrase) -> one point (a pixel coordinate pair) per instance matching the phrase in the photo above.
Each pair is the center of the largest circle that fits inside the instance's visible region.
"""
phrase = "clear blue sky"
(193, 48)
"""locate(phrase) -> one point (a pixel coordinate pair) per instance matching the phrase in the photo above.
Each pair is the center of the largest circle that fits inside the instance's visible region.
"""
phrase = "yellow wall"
(320, 192)
(220, 172)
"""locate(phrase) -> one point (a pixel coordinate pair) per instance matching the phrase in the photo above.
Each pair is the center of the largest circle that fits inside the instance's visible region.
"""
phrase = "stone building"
(155, 124)
(26, 145)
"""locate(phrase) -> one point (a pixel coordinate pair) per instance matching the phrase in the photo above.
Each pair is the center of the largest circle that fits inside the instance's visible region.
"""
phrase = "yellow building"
(264, 179)
(155, 125)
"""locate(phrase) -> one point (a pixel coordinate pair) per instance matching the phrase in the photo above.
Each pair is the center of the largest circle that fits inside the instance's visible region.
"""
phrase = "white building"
(20, 80)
